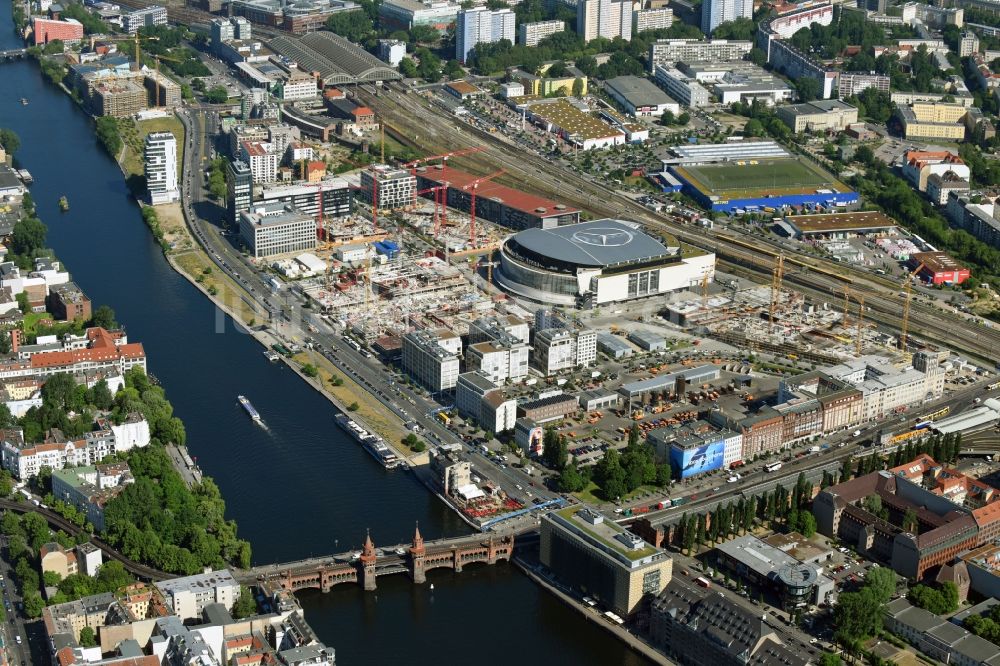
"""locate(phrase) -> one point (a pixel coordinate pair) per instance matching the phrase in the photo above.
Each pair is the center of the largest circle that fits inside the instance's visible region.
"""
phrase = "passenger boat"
(24, 101)
(248, 407)
(63, 204)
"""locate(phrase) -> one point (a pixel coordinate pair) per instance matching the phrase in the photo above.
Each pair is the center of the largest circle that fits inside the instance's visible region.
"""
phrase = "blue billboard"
(695, 460)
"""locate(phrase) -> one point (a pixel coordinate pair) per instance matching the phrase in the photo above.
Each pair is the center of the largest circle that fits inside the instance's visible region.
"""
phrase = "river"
(298, 487)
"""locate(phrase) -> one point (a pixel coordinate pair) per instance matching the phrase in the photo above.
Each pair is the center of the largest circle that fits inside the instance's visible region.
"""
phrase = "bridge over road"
(415, 558)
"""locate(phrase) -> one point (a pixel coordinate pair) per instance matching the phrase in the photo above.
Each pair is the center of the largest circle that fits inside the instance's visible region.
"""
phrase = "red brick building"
(47, 30)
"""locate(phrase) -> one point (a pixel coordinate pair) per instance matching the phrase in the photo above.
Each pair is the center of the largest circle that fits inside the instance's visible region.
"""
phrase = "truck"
(814, 449)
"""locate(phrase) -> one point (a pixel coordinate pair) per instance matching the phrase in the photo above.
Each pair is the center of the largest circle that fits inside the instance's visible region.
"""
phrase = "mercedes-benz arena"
(598, 262)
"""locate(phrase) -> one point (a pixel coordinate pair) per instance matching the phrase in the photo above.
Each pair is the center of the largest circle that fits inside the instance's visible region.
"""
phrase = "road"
(288, 320)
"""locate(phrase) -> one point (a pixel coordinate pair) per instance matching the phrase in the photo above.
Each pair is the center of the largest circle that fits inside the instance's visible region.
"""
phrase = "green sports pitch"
(750, 178)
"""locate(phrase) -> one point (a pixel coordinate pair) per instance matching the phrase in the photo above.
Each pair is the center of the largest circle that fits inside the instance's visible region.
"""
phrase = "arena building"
(597, 262)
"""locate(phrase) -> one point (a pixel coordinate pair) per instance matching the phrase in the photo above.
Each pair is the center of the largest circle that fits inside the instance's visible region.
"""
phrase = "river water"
(299, 487)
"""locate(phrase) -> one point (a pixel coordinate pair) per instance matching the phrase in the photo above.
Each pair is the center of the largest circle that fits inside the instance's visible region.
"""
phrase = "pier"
(415, 558)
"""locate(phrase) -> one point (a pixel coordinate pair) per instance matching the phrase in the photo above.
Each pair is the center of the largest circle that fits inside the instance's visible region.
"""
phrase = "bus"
(772, 467)
(704, 582)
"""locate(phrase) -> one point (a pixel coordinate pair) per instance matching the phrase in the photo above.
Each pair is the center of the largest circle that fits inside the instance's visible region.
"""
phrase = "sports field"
(752, 178)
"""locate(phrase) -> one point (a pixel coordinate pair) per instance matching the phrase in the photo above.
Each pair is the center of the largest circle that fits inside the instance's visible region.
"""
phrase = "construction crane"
(777, 274)
(847, 299)
(412, 166)
(907, 295)
(473, 186)
(438, 191)
(861, 318)
(137, 65)
(704, 291)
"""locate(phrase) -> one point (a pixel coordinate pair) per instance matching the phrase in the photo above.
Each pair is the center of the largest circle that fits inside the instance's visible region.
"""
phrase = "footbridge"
(415, 559)
(12, 54)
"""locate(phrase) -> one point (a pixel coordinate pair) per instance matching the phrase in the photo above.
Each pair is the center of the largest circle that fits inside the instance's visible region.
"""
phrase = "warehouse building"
(597, 262)
(640, 97)
(496, 203)
(839, 226)
(938, 268)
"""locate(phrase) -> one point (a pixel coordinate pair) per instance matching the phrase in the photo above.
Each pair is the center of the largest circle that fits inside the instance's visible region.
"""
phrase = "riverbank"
(631, 640)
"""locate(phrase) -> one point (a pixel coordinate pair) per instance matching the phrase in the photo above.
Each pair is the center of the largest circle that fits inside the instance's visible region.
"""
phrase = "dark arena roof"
(595, 244)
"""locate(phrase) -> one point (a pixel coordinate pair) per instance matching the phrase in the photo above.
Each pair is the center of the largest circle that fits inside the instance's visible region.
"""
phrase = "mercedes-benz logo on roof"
(604, 237)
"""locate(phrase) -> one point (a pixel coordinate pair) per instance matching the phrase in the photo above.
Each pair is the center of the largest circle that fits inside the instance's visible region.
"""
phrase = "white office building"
(144, 18)
(482, 401)
(276, 228)
(188, 596)
(604, 18)
(397, 188)
(529, 34)
(160, 154)
(681, 87)
(717, 12)
(557, 349)
(431, 359)
(482, 26)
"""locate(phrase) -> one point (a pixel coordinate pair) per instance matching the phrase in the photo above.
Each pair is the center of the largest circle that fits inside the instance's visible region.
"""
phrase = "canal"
(298, 487)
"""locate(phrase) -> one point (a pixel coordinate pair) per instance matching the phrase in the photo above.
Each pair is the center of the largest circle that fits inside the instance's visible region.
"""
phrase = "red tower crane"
(473, 186)
(412, 166)
(439, 202)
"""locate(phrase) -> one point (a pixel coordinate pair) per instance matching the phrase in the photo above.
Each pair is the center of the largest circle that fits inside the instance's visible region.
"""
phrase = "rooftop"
(858, 221)
(639, 91)
(936, 261)
(598, 244)
(609, 534)
(508, 196)
(578, 124)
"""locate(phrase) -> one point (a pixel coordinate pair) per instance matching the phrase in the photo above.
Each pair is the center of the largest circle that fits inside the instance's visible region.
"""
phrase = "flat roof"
(638, 91)
(508, 196)
(606, 532)
(825, 222)
(597, 244)
(574, 121)
(936, 261)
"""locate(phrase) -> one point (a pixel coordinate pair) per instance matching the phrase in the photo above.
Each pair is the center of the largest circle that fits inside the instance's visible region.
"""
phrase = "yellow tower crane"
(907, 295)
(777, 274)
(861, 318)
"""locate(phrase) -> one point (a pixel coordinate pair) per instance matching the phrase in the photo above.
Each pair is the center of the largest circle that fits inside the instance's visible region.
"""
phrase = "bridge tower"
(368, 559)
(417, 552)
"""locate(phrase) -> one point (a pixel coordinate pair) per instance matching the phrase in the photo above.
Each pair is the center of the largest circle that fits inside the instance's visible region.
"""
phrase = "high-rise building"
(239, 185)
(482, 26)
(529, 34)
(396, 187)
(717, 12)
(653, 19)
(604, 18)
(161, 167)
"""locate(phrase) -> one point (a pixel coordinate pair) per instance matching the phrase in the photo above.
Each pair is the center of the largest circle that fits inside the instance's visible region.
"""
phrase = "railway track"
(58, 522)
(413, 122)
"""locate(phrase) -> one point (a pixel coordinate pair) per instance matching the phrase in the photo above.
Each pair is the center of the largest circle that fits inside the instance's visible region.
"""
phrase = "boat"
(24, 101)
(63, 204)
(373, 444)
(271, 356)
(248, 407)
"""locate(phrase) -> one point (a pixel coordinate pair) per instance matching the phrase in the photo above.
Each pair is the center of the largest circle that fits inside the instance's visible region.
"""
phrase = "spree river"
(299, 487)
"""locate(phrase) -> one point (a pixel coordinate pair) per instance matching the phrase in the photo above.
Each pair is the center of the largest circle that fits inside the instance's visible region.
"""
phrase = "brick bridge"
(415, 559)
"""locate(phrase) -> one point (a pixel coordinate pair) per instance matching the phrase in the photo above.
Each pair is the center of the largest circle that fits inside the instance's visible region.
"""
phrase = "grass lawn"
(758, 177)
(135, 135)
(589, 495)
(194, 263)
(370, 410)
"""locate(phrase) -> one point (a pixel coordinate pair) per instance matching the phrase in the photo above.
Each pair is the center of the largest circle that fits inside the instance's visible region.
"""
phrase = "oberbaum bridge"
(415, 559)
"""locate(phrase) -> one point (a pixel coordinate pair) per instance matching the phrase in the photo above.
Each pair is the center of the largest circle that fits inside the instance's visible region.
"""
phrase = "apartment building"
(397, 188)
(854, 83)
(481, 26)
(187, 597)
(160, 155)
(529, 34)
(716, 12)
(144, 18)
(263, 159)
(557, 349)
(484, 402)
(660, 18)
(90, 488)
(604, 18)
(667, 52)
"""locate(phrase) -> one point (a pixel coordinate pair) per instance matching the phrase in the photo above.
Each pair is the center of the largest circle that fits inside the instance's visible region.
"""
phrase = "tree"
(684, 118)
(246, 605)
(829, 659)
(937, 601)
(104, 317)
(87, 637)
(108, 134)
(570, 480)
(355, 26)
(757, 56)
(807, 87)
(909, 522)
(216, 95)
(28, 237)
(408, 68)
(453, 70)
(577, 87)
(857, 615)
(882, 582)
(807, 524)
(310, 370)
(33, 605)
(667, 119)
(9, 140)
